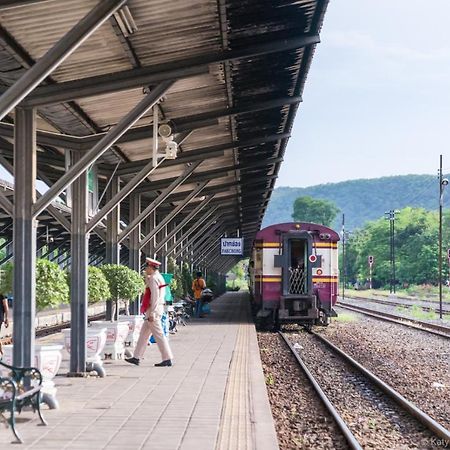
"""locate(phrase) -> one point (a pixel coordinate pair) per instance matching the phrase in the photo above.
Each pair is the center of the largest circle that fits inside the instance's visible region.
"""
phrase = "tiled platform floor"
(214, 396)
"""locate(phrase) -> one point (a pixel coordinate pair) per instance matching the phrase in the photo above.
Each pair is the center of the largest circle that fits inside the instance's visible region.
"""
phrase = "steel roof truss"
(144, 76)
(187, 219)
(211, 226)
(159, 200)
(57, 54)
(168, 218)
(102, 146)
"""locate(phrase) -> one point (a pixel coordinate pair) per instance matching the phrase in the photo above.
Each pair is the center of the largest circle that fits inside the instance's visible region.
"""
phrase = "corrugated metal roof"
(168, 32)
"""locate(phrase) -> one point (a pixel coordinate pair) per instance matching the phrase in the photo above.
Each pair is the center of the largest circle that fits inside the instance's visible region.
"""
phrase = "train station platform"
(214, 397)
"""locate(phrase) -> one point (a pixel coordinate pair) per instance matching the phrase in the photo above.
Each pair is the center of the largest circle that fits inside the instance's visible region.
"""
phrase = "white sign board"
(231, 246)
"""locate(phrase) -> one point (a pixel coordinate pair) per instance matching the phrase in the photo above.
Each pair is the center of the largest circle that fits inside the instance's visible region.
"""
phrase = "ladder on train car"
(297, 281)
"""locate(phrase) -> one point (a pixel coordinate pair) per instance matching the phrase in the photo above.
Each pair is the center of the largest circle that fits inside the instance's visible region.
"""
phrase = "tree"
(416, 248)
(186, 279)
(239, 278)
(6, 278)
(124, 283)
(176, 285)
(51, 285)
(98, 286)
(308, 209)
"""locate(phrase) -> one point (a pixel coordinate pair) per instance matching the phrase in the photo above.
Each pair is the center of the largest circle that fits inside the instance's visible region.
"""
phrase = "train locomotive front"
(294, 274)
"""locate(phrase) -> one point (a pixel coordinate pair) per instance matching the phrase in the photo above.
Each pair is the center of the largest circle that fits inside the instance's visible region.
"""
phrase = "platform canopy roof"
(233, 73)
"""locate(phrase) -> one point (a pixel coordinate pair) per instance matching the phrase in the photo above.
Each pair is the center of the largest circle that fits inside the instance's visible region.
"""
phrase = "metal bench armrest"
(7, 385)
(19, 373)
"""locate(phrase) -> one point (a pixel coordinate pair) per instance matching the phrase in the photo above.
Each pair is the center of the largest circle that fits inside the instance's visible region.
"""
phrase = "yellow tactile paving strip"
(246, 421)
(235, 429)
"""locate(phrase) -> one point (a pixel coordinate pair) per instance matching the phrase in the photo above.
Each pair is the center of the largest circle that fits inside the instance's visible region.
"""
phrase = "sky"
(377, 98)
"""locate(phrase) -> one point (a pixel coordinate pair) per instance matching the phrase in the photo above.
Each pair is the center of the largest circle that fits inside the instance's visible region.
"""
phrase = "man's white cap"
(152, 262)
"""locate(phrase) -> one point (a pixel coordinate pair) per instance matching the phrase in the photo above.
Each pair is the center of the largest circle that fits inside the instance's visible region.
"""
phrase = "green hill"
(360, 200)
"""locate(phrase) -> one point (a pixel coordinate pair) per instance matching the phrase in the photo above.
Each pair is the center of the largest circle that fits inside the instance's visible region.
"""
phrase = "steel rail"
(399, 297)
(392, 303)
(349, 436)
(438, 330)
(405, 404)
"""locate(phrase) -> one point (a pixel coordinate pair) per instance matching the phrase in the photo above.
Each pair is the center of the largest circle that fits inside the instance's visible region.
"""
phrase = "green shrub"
(176, 285)
(98, 286)
(51, 285)
(124, 283)
(187, 279)
(6, 278)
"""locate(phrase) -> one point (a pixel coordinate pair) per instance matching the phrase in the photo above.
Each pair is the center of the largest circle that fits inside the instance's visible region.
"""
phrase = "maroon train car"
(294, 273)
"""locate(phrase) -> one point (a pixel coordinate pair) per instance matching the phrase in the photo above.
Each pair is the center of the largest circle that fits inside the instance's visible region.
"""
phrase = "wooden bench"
(20, 389)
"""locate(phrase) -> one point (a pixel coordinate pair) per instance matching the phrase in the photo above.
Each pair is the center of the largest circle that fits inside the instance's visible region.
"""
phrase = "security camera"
(444, 182)
(171, 150)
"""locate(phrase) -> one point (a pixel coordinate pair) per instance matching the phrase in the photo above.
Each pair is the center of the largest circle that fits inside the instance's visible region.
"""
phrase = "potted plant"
(51, 285)
(187, 279)
(98, 290)
(124, 284)
(51, 291)
(6, 279)
(98, 286)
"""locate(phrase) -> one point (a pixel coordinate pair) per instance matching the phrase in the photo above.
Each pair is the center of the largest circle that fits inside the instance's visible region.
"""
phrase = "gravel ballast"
(415, 363)
(376, 421)
(300, 418)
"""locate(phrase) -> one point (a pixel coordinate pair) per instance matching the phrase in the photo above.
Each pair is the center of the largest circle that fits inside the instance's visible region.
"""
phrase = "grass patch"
(401, 309)
(418, 313)
(346, 317)
(270, 380)
(372, 423)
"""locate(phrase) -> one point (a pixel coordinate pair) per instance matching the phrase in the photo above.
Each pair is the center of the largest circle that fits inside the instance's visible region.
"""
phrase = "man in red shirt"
(152, 318)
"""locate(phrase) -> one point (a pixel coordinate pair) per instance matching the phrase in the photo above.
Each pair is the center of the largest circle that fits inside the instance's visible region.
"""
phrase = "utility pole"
(343, 256)
(442, 183)
(390, 215)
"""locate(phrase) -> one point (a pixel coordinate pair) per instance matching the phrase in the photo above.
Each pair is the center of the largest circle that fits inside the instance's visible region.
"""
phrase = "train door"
(297, 301)
(298, 267)
(258, 272)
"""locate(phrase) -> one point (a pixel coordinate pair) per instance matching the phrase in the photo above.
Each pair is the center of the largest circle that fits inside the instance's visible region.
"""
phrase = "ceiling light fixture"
(125, 21)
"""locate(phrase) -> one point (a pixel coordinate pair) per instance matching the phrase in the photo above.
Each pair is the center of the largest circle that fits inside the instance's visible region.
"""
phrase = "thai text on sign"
(231, 246)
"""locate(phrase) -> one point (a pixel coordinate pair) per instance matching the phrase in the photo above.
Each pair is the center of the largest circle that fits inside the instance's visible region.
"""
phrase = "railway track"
(46, 331)
(439, 330)
(403, 305)
(412, 299)
(367, 398)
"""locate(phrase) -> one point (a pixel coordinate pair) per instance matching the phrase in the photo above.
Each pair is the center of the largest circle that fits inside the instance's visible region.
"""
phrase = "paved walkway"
(214, 396)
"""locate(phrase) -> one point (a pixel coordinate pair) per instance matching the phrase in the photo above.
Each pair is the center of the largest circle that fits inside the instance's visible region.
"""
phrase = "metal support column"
(24, 239)
(134, 251)
(112, 232)
(78, 273)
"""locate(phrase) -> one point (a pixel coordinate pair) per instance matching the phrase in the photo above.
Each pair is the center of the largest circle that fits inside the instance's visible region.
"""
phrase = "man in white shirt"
(152, 317)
